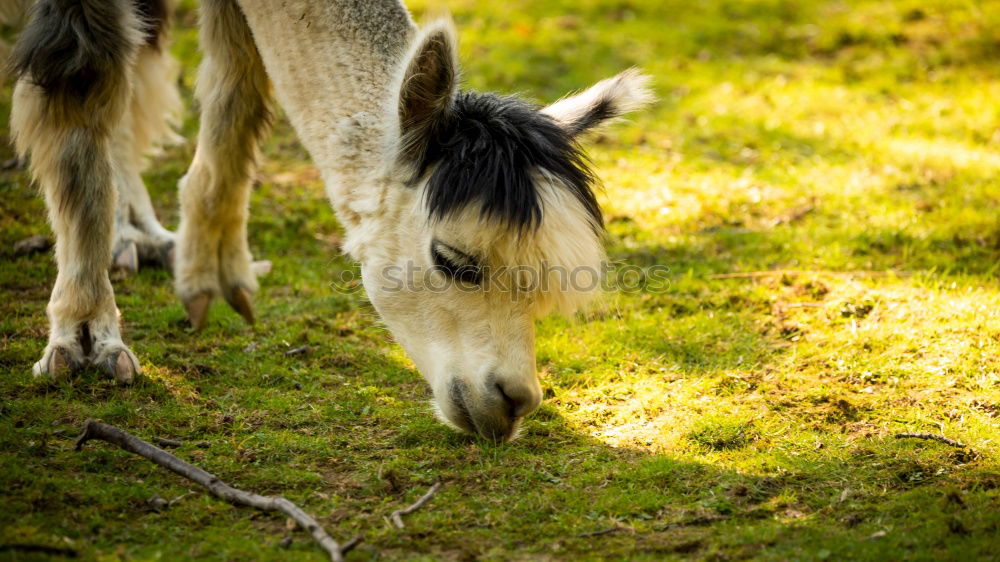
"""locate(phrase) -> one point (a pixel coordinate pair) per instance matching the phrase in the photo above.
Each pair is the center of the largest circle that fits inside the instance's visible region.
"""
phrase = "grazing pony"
(470, 213)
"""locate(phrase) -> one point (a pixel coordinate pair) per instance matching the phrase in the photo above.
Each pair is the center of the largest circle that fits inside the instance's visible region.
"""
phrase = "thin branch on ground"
(932, 437)
(174, 443)
(397, 516)
(801, 305)
(695, 522)
(96, 430)
(607, 531)
(351, 544)
(297, 350)
(179, 498)
(781, 272)
(164, 442)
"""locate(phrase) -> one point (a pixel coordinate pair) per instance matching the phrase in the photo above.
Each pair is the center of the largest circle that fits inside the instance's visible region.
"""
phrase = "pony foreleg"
(74, 168)
(155, 104)
(65, 115)
(212, 256)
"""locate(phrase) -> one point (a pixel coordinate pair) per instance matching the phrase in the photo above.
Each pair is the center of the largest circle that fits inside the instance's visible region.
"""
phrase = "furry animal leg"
(139, 236)
(76, 174)
(70, 119)
(212, 256)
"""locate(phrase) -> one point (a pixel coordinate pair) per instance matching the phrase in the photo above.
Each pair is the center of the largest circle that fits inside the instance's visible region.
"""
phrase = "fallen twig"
(351, 544)
(694, 522)
(800, 305)
(781, 272)
(397, 516)
(96, 430)
(297, 350)
(932, 437)
(607, 531)
(163, 442)
(179, 498)
(173, 443)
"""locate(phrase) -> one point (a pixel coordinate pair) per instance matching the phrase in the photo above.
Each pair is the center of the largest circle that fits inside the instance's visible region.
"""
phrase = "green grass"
(851, 145)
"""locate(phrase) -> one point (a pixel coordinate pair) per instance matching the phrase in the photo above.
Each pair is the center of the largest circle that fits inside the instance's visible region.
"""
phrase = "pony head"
(487, 219)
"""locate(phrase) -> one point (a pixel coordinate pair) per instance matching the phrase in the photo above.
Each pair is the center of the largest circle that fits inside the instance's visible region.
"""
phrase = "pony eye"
(456, 264)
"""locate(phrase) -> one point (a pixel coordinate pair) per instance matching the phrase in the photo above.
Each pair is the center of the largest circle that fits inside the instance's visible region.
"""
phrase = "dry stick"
(350, 545)
(179, 498)
(397, 516)
(96, 430)
(932, 437)
(801, 305)
(597, 533)
(164, 442)
(780, 272)
(297, 350)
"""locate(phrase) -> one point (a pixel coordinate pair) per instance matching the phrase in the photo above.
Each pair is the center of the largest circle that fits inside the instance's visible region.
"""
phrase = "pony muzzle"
(493, 411)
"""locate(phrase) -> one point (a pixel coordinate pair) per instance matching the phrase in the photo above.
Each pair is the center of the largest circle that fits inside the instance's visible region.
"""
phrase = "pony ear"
(428, 89)
(602, 102)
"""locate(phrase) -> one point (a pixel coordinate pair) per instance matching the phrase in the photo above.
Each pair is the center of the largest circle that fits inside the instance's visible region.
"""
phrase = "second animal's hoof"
(127, 258)
(197, 309)
(240, 299)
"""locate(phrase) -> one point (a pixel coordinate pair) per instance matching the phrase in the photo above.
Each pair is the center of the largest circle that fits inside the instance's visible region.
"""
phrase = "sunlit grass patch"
(722, 433)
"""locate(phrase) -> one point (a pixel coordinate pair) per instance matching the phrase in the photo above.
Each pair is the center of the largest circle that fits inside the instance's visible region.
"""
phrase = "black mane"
(487, 152)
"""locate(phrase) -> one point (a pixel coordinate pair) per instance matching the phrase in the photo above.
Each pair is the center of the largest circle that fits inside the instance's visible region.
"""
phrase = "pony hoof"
(197, 309)
(239, 299)
(167, 257)
(57, 364)
(127, 258)
(122, 367)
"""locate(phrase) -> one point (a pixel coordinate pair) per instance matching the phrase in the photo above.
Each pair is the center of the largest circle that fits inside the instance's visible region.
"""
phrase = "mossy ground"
(850, 146)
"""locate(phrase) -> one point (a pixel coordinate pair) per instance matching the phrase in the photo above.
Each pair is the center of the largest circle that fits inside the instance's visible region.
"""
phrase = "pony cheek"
(406, 324)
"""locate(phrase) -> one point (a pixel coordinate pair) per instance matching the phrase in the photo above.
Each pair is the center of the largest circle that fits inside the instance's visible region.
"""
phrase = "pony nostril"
(510, 403)
(519, 400)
